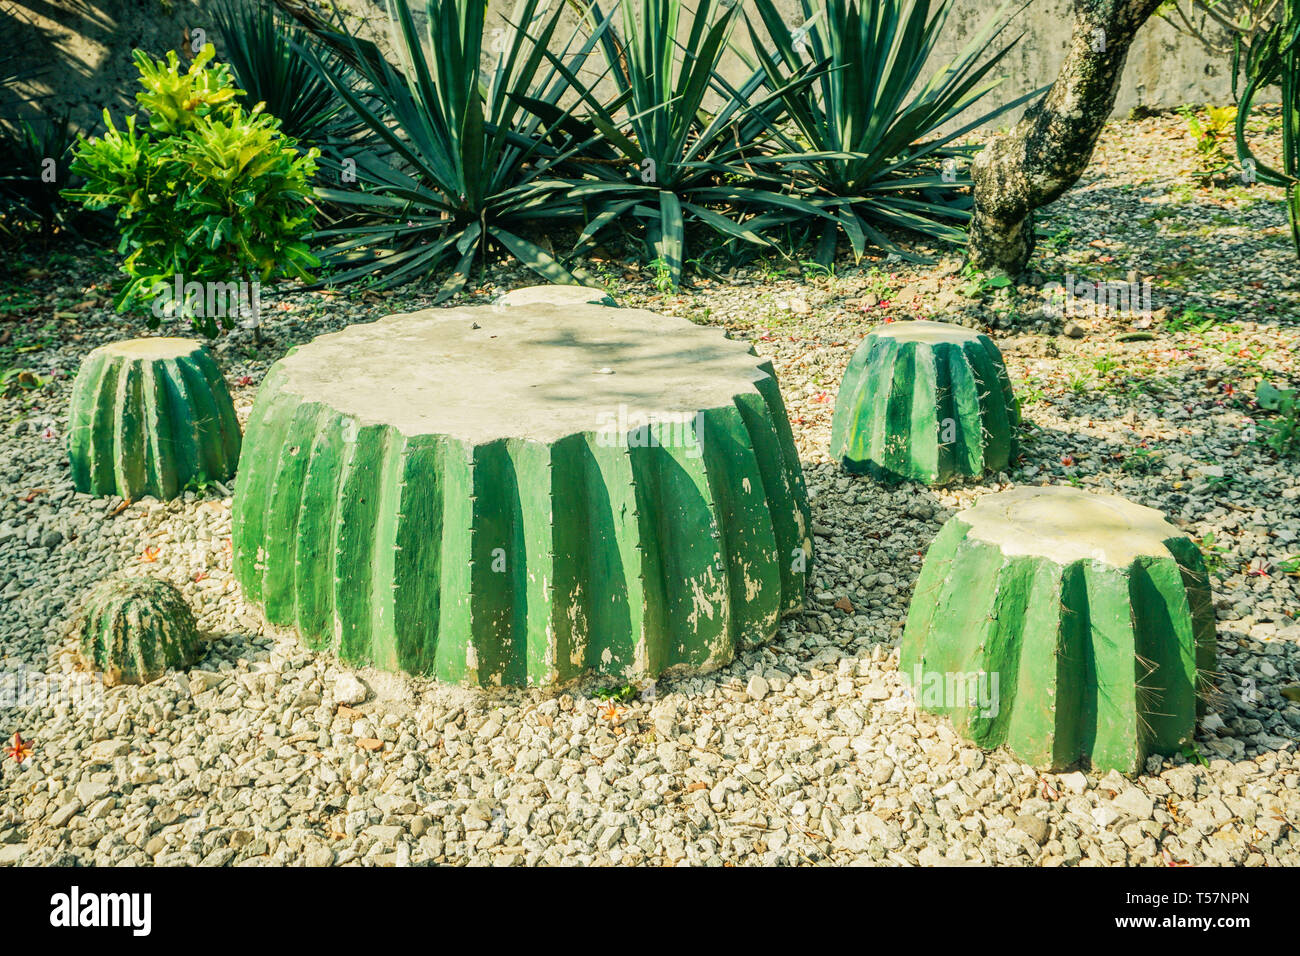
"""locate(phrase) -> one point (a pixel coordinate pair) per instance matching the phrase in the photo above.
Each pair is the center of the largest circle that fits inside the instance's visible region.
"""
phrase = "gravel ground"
(806, 751)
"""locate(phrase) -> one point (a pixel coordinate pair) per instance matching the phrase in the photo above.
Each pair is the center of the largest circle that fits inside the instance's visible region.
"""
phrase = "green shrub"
(210, 192)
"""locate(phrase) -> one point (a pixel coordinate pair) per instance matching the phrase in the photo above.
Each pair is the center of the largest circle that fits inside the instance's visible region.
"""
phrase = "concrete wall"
(86, 47)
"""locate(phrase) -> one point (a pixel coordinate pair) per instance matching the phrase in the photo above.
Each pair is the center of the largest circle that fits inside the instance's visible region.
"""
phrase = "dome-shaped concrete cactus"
(523, 496)
(147, 417)
(1068, 626)
(556, 295)
(925, 401)
(132, 629)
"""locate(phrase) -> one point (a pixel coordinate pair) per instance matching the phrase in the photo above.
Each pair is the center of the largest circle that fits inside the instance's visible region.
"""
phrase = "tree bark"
(1050, 147)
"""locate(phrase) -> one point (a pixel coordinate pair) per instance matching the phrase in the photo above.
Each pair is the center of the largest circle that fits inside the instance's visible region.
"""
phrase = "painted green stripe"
(251, 545)
(455, 659)
(312, 547)
(129, 431)
(418, 574)
(629, 615)
(383, 586)
(749, 539)
(570, 593)
(358, 508)
(785, 515)
(186, 435)
(82, 450)
(1115, 669)
(283, 507)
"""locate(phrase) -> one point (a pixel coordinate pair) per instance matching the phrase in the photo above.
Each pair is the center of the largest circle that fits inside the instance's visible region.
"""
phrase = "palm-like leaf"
(677, 164)
(869, 144)
(464, 160)
(260, 49)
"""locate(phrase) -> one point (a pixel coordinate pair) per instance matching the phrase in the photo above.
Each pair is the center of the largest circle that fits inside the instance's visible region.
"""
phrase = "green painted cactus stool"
(556, 295)
(147, 417)
(925, 401)
(1066, 625)
(133, 629)
(521, 496)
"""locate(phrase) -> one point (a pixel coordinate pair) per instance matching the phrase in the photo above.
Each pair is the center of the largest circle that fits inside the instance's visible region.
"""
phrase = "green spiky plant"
(1275, 60)
(261, 48)
(677, 163)
(471, 164)
(38, 160)
(866, 145)
(132, 630)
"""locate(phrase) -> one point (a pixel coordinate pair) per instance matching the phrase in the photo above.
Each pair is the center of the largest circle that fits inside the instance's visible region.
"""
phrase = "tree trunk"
(1050, 147)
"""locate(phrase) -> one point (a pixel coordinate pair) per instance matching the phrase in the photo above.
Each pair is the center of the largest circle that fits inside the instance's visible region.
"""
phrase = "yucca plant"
(468, 164)
(1276, 60)
(678, 163)
(38, 159)
(868, 146)
(261, 49)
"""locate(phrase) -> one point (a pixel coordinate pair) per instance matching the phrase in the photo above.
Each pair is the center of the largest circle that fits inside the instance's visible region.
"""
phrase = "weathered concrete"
(523, 495)
(1064, 625)
(556, 295)
(149, 415)
(925, 401)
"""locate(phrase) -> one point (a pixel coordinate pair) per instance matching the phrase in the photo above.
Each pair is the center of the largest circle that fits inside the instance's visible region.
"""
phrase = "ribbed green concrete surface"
(131, 630)
(925, 401)
(1064, 625)
(149, 415)
(522, 496)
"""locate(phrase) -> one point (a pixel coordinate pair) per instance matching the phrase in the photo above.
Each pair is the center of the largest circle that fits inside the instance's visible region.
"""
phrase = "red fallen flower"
(200, 576)
(19, 749)
(1067, 461)
(150, 554)
(244, 380)
(821, 397)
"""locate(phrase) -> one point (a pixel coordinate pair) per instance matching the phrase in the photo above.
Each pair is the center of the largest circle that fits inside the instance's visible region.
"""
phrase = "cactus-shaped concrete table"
(149, 415)
(925, 401)
(520, 496)
(1066, 625)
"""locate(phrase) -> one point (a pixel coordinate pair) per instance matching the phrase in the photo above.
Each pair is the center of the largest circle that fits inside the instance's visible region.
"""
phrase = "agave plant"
(467, 164)
(260, 49)
(676, 162)
(870, 146)
(1276, 60)
(39, 156)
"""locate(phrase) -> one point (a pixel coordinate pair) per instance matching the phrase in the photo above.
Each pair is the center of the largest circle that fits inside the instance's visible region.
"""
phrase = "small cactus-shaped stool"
(925, 401)
(1065, 625)
(133, 629)
(556, 295)
(147, 417)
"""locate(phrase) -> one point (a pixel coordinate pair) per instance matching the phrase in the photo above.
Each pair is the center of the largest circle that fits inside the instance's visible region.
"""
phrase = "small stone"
(756, 688)
(349, 690)
(1074, 782)
(1135, 803)
(1035, 827)
(1074, 330)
